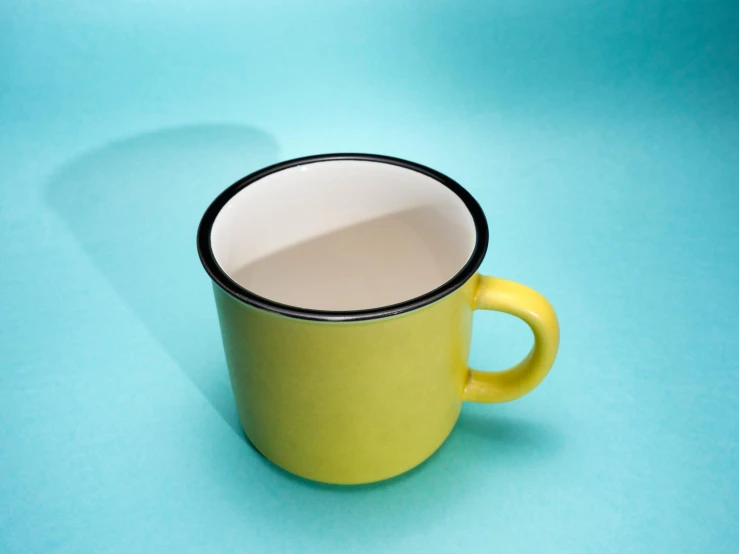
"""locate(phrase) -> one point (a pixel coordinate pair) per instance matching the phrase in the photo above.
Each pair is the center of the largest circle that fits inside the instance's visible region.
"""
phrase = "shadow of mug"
(134, 206)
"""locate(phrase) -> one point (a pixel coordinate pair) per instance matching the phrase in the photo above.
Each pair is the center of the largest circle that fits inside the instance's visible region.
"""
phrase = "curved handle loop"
(521, 301)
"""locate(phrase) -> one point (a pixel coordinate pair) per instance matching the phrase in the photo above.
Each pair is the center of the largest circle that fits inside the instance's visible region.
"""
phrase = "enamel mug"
(345, 286)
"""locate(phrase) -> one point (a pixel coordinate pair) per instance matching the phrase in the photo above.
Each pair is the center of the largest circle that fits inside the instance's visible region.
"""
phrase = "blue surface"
(600, 137)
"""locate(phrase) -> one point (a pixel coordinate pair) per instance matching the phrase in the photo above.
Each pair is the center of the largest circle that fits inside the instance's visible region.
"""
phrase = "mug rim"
(228, 285)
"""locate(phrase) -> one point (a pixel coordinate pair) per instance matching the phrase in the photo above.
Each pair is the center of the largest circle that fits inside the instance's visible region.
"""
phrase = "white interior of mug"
(343, 235)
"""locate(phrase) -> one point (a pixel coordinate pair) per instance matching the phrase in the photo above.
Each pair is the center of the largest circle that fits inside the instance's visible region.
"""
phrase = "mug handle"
(513, 298)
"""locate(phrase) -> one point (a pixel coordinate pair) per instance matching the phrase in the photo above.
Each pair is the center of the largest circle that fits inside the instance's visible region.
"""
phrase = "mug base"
(380, 477)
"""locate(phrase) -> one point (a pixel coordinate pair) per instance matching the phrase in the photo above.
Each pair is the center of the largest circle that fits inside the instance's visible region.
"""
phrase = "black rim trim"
(231, 287)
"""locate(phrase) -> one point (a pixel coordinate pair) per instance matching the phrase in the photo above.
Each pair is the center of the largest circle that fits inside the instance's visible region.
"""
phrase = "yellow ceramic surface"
(355, 402)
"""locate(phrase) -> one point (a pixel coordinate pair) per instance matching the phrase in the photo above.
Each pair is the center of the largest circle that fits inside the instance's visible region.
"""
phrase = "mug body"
(348, 402)
(345, 286)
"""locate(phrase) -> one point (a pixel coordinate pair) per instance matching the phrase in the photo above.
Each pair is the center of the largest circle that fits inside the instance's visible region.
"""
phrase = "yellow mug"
(345, 286)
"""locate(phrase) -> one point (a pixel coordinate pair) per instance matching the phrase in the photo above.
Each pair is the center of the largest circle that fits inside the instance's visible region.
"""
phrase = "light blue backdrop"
(600, 137)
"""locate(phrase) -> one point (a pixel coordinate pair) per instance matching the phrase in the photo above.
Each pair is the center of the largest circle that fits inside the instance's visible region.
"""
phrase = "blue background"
(600, 137)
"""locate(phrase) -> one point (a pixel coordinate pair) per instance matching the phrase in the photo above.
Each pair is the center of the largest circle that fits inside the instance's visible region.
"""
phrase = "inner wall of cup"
(343, 235)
